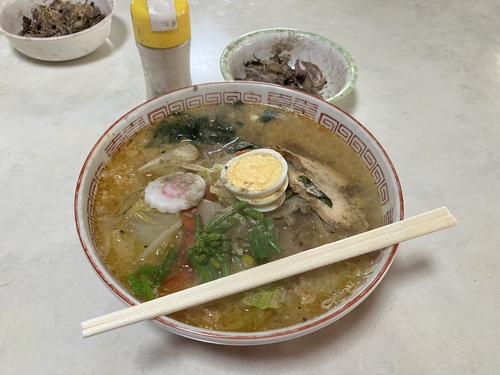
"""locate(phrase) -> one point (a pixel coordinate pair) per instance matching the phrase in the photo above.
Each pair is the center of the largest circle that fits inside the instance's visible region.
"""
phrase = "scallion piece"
(148, 291)
(147, 270)
(271, 235)
(135, 284)
(225, 225)
(147, 277)
(164, 269)
(253, 213)
(259, 243)
(223, 215)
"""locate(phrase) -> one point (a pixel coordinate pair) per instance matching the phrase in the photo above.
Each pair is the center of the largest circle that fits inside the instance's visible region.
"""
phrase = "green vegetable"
(147, 270)
(211, 254)
(204, 272)
(220, 218)
(271, 235)
(312, 189)
(148, 277)
(265, 298)
(166, 266)
(135, 284)
(259, 300)
(148, 290)
(259, 243)
(254, 214)
(262, 236)
(248, 259)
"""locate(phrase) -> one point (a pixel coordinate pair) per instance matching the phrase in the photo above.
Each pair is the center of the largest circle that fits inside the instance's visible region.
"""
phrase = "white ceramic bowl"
(59, 48)
(336, 64)
(324, 113)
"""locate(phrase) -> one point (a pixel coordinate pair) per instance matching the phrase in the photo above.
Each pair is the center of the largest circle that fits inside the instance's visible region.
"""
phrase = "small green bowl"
(336, 64)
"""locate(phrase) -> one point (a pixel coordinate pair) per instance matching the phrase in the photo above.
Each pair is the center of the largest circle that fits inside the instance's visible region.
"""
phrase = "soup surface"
(199, 230)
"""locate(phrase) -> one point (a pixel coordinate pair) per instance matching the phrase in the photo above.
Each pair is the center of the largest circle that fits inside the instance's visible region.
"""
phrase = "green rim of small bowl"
(351, 64)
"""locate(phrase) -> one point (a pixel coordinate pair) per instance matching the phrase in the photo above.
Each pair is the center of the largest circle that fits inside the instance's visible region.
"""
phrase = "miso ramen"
(172, 211)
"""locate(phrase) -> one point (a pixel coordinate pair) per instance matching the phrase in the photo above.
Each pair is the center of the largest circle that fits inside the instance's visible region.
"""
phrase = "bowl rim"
(8, 34)
(214, 336)
(351, 63)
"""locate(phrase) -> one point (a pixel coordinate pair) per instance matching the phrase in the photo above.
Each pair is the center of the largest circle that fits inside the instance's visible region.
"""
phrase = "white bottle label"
(162, 15)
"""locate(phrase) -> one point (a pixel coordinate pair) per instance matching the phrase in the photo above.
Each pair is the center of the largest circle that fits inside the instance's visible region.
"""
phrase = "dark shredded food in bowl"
(61, 17)
(302, 75)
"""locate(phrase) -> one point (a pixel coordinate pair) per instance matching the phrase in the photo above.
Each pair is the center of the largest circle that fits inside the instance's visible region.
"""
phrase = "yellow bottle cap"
(160, 23)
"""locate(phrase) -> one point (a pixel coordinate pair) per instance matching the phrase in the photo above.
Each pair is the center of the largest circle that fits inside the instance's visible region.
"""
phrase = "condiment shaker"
(162, 30)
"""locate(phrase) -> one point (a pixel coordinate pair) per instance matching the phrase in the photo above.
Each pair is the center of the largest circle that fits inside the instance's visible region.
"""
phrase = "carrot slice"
(182, 279)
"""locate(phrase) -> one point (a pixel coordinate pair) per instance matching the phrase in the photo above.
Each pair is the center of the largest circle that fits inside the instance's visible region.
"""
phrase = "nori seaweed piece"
(179, 126)
(268, 115)
(312, 189)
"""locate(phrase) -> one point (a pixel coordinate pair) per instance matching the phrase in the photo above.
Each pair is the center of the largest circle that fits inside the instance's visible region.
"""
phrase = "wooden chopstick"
(363, 243)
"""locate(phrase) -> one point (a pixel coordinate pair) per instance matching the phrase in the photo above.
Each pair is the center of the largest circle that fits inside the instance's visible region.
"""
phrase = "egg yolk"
(255, 172)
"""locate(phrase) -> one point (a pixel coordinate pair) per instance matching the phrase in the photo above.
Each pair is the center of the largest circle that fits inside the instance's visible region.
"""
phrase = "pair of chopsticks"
(363, 243)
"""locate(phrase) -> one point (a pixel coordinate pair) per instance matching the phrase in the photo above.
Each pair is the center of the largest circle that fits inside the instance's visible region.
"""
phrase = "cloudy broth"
(125, 226)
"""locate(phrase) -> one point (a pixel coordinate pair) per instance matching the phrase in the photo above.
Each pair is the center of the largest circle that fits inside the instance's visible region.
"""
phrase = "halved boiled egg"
(264, 201)
(258, 177)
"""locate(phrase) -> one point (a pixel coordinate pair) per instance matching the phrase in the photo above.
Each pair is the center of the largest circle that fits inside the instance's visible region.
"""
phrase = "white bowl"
(336, 64)
(324, 113)
(59, 48)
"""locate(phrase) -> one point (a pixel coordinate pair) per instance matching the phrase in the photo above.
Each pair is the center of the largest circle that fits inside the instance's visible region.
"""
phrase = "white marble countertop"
(428, 89)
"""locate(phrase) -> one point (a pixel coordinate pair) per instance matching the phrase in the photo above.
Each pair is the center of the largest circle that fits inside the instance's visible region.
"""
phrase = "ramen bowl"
(335, 63)
(56, 48)
(351, 133)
